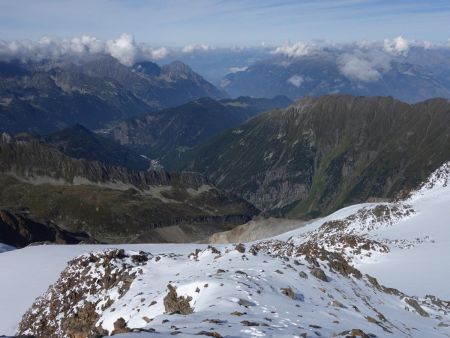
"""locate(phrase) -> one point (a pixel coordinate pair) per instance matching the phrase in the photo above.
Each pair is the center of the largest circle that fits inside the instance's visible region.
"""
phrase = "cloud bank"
(125, 49)
(362, 62)
(191, 48)
(294, 50)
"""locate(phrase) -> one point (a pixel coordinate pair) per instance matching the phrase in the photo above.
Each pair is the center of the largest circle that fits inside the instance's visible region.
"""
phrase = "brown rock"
(249, 323)
(209, 334)
(175, 304)
(147, 320)
(120, 326)
(319, 274)
(303, 274)
(413, 303)
(358, 333)
(244, 302)
(240, 247)
(288, 292)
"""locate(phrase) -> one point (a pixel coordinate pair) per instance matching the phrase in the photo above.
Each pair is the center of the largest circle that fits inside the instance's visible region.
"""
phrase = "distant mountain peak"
(148, 68)
(46, 96)
(178, 66)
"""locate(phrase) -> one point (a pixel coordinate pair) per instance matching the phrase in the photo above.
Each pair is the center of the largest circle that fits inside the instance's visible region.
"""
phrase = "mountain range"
(411, 76)
(45, 96)
(323, 153)
(161, 135)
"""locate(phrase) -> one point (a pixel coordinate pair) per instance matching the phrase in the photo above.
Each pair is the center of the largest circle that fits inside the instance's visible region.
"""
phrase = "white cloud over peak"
(358, 69)
(159, 53)
(191, 48)
(365, 66)
(296, 80)
(124, 49)
(238, 69)
(397, 46)
(294, 50)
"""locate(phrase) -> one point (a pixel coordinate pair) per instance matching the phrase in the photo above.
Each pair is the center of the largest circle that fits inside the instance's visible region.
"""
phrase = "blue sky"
(227, 22)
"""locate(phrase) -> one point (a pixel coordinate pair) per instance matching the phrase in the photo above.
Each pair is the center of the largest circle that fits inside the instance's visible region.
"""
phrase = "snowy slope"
(268, 290)
(411, 237)
(28, 272)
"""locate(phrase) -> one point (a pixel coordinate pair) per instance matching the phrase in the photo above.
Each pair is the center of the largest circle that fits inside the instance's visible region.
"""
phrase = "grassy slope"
(324, 153)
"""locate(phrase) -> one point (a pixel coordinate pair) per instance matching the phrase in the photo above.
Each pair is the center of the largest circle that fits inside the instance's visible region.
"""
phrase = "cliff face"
(323, 153)
(112, 204)
(34, 161)
(18, 230)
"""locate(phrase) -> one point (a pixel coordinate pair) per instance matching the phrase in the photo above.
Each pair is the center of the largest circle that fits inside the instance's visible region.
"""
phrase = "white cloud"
(397, 46)
(237, 69)
(50, 47)
(296, 80)
(364, 65)
(124, 49)
(294, 50)
(191, 48)
(357, 69)
(159, 53)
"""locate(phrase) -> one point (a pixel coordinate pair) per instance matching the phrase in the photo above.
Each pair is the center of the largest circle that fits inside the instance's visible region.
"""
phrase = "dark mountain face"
(410, 79)
(323, 153)
(164, 134)
(78, 142)
(48, 96)
(111, 203)
(18, 230)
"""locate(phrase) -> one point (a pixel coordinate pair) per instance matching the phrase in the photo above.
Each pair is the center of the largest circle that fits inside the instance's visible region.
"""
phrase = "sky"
(227, 22)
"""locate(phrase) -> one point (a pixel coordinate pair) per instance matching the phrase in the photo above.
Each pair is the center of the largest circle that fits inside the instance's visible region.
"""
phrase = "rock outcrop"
(89, 285)
(177, 304)
(19, 230)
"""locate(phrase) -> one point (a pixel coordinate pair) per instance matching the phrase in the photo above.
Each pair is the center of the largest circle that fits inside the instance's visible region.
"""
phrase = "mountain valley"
(110, 203)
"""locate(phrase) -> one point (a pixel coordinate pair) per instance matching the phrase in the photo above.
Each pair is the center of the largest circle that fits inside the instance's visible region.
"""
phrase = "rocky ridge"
(112, 203)
(220, 292)
(323, 153)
